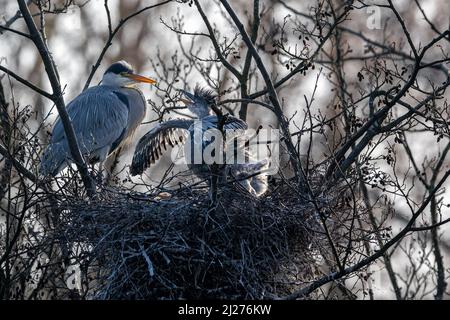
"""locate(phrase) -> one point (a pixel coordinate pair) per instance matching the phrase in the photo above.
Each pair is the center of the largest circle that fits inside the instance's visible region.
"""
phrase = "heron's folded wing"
(152, 145)
(99, 119)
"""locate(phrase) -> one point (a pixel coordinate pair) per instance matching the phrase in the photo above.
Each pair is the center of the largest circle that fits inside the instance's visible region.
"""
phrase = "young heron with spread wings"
(152, 145)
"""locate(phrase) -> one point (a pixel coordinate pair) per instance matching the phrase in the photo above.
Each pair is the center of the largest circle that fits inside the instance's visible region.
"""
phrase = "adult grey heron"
(104, 117)
(150, 146)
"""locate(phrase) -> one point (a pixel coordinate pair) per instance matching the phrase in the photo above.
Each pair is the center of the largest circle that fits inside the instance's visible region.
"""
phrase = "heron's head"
(121, 74)
(200, 101)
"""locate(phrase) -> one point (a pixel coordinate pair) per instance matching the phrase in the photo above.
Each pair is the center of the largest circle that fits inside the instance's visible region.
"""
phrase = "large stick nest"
(136, 247)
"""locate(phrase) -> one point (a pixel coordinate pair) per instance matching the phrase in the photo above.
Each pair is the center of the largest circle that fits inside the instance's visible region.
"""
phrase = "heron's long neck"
(139, 91)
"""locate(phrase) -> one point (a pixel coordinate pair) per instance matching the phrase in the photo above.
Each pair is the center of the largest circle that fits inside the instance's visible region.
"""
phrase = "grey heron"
(171, 132)
(104, 117)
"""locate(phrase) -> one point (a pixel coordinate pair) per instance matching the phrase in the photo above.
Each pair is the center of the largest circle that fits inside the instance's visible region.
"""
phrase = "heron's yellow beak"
(139, 78)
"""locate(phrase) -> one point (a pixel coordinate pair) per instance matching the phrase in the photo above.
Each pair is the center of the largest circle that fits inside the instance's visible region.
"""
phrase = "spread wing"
(99, 118)
(150, 147)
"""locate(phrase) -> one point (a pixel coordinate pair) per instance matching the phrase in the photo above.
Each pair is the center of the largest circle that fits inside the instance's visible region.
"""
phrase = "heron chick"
(171, 132)
(104, 117)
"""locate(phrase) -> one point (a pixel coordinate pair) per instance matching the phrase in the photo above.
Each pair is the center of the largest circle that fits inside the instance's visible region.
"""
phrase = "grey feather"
(102, 120)
(148, 149)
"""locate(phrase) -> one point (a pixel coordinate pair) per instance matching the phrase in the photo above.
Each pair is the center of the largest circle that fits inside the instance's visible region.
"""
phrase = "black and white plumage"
(104, 117)
(172, 132)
